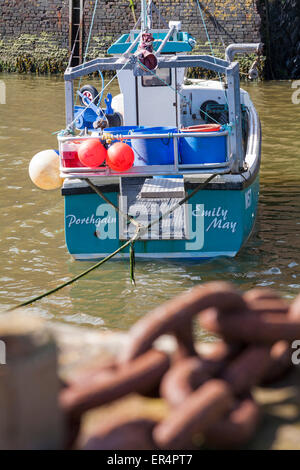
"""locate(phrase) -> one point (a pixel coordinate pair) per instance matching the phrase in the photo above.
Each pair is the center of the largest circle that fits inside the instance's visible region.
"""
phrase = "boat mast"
(146, 15)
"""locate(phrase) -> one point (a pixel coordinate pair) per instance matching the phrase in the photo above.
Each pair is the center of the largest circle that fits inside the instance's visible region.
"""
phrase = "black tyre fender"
(91, 93)
(203, 109)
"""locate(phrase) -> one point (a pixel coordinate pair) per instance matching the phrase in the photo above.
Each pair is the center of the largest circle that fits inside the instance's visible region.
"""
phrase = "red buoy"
(92, 153)
(120, 157)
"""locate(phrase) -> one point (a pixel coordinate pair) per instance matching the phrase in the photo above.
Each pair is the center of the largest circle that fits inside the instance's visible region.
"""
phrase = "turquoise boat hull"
(220, 222)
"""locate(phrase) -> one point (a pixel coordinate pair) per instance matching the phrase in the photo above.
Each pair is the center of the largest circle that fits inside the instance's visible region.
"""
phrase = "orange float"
(92, 153)
(120, 157)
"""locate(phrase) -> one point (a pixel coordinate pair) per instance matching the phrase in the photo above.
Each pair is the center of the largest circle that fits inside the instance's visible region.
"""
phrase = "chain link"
(209, 394)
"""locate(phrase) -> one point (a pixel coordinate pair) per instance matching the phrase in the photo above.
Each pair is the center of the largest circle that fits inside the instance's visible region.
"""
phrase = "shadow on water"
(33, 253)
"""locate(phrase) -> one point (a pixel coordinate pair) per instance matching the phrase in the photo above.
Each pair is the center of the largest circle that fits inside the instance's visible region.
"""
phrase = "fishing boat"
(184, 183)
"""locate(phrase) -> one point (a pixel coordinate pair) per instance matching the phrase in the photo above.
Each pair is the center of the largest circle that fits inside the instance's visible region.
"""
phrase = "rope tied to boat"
(140, 230)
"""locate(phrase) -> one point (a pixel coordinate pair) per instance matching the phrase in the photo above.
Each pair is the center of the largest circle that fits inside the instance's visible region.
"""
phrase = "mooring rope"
(97, 191)
(132, 263)
(74, 279)
(140, 230)
(143, 229)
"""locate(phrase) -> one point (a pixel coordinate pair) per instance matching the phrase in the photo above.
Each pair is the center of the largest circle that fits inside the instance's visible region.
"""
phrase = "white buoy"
(44, 170)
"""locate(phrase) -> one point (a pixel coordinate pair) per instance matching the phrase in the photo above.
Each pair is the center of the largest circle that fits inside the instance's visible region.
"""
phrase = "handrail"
(165, 61)
(234, 49)
(132, 46)
(143, 171)
(166, 39)
(171, 62)
(147, 136)
(150, 170)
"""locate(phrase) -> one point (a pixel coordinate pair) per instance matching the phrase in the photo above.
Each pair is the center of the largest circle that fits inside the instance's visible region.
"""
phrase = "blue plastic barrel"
(124, 130)
(154, 151)
(197, 150)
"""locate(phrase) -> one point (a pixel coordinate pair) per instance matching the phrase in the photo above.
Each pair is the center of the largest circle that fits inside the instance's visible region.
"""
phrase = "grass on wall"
(42, 55)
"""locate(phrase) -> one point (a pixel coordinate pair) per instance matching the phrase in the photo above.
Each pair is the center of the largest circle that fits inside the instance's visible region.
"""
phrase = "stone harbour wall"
(281, 35)
(227, 20)
(33, 17)
(34, 34)
(233, 20)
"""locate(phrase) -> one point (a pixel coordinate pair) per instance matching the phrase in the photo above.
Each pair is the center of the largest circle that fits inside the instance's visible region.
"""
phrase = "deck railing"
(177, 168)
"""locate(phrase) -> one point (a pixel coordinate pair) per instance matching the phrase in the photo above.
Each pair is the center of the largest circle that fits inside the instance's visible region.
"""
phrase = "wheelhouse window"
(163, 78)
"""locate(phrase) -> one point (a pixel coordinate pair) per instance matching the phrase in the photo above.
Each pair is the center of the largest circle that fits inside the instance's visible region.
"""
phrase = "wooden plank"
(163, 187)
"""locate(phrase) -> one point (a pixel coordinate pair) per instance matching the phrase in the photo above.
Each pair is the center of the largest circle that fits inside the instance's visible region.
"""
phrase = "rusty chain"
(209, 395)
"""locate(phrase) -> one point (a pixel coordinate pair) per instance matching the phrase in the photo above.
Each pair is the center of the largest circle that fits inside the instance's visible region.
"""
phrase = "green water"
(34, 257)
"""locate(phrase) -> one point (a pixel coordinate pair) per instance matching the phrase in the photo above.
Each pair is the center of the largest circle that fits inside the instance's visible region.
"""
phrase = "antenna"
(146, 15)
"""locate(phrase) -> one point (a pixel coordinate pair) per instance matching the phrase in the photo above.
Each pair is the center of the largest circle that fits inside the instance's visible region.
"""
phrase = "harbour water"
(33, 254)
